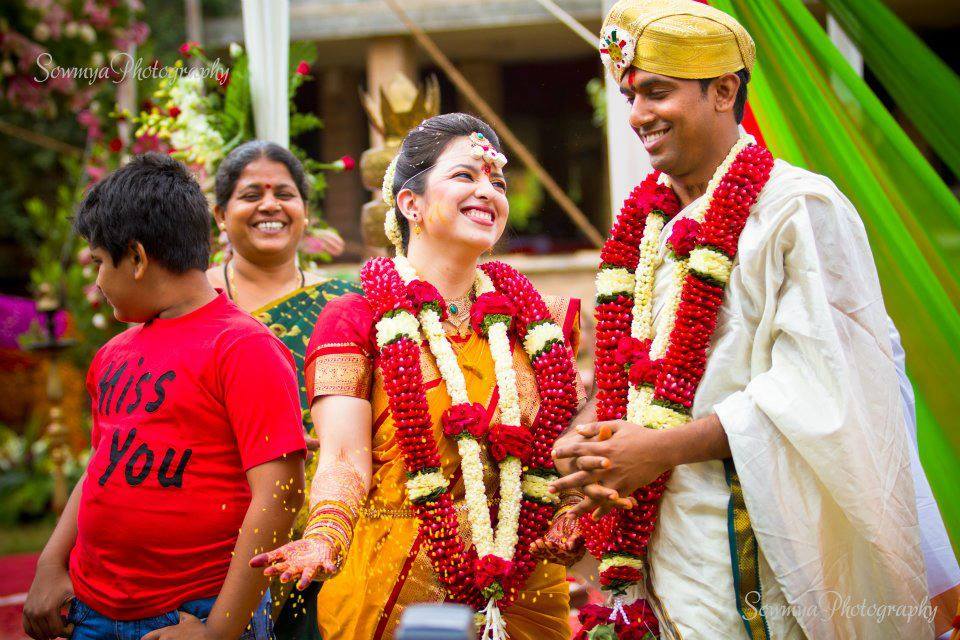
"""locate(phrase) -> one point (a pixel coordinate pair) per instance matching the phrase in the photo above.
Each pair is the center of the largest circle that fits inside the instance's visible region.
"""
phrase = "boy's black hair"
(740, 101)
(152, 200)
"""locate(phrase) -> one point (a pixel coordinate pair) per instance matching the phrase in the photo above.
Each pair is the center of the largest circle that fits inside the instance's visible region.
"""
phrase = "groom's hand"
(612, 459)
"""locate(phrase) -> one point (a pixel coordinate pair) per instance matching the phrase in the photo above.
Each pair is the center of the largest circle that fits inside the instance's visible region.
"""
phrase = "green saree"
(291, 318)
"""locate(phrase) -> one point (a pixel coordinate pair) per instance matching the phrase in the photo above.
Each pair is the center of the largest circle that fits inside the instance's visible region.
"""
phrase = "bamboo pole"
(590, 38)
(39, 139)
(488, 114)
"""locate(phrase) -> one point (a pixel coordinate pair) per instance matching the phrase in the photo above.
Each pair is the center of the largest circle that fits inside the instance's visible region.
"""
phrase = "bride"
(437, 395)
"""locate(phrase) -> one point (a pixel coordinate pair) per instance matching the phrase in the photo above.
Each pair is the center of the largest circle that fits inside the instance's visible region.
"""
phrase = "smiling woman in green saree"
(261, 196)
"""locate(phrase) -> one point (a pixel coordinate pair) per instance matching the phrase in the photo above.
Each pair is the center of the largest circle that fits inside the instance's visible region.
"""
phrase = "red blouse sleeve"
(340, 355)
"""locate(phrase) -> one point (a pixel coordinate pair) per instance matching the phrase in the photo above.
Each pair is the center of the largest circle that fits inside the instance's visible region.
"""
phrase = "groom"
(790, 511)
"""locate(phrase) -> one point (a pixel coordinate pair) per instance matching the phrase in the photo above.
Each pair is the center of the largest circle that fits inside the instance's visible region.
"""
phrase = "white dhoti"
(814, 522)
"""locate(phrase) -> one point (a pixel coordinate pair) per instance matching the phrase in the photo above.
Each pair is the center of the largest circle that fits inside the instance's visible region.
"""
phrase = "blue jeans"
(90, 625)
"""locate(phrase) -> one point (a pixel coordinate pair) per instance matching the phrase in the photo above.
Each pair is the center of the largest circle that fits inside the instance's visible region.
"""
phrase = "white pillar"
(846, 46)
(626, 157)
(266, 33)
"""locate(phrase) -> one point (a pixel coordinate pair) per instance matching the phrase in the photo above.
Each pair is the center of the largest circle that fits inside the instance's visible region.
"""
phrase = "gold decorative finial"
(401, 107)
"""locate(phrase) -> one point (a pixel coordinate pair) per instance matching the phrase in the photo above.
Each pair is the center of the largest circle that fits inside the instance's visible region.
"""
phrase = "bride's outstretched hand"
(305, 560)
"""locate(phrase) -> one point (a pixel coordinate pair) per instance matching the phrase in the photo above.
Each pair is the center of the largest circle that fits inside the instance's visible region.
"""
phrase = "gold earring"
(416, 228)
(223, 226)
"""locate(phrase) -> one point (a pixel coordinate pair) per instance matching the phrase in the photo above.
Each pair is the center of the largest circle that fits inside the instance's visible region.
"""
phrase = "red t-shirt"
(182, 408)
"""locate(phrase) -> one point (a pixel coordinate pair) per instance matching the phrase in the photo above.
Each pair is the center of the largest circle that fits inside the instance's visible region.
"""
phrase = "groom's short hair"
(740, 102)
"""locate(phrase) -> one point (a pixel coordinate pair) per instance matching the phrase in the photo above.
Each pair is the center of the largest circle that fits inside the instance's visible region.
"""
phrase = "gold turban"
(677, 38)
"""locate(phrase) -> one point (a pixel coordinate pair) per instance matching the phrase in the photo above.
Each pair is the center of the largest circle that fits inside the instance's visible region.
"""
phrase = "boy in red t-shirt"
(198, 447)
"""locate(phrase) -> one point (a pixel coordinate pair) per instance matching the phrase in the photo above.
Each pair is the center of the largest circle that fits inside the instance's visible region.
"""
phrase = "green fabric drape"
(921, 84)
(816, 112)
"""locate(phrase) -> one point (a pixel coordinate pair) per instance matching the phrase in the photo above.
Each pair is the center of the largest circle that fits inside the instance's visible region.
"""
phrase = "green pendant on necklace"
(453, 309)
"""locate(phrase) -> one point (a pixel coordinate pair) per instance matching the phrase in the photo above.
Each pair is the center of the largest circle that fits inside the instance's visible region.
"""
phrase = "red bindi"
(486, 168)
(266, 186)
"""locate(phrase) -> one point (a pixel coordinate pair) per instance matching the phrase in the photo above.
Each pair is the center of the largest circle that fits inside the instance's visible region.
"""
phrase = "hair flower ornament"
(617, 48)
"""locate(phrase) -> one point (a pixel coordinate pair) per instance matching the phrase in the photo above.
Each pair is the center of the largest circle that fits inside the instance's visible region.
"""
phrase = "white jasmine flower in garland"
(478, 511)
(445, 357)
(425, 485)
(508, 518)
(537, 488)
(405, 269)
(614, 282)
(660, 417)
(662, 341)
(509, 403)
(483, 284)
(637, 402)
(619, 561)
(642, 325)
(542, 336)
(390, 328)
(711, 264)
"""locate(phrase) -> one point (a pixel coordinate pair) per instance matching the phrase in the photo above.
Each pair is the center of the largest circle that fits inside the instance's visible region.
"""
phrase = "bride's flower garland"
(651, 380)
(494, 569)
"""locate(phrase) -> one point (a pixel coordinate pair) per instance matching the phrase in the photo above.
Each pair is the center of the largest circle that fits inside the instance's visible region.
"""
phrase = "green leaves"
(301, 123)
(235, 120)
(603, 632)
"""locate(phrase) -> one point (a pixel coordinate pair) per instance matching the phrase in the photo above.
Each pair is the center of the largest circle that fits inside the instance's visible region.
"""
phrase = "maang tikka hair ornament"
(481, 149)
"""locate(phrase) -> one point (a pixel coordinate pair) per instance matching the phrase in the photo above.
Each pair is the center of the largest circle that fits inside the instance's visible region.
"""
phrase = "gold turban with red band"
(677, 38)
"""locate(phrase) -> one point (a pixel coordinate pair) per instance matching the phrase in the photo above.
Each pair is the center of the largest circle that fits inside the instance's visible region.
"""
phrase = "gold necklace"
(231, 279)
(458, 310)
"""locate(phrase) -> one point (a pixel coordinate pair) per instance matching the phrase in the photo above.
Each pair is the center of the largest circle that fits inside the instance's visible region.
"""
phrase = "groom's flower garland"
(652, 381)
(496, 567)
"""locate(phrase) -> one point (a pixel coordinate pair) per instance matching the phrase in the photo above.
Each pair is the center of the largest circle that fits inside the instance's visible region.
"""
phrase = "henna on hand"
(314, 558)
(337, 498)
(563, 543)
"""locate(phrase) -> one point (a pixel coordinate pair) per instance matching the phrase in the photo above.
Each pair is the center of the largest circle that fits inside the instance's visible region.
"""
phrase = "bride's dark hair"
(423, 146)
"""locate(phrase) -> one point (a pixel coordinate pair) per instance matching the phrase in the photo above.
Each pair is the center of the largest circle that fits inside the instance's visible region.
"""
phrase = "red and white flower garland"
(495, 568)
(651, 380)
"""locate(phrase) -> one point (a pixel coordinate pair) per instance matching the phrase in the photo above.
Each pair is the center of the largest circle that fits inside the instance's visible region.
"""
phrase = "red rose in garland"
(683, 237)
(506, 440)
(488, 308)
(461, 418)
(423, 294)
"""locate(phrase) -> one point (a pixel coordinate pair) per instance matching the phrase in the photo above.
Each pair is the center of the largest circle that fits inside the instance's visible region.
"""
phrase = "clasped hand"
(305, 560)
(608, 461)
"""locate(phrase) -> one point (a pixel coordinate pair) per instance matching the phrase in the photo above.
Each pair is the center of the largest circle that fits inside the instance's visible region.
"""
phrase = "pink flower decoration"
(490, 569)
(460, 418)
(423, 293)
(683, 237)
(491, 303)
(507, 440)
